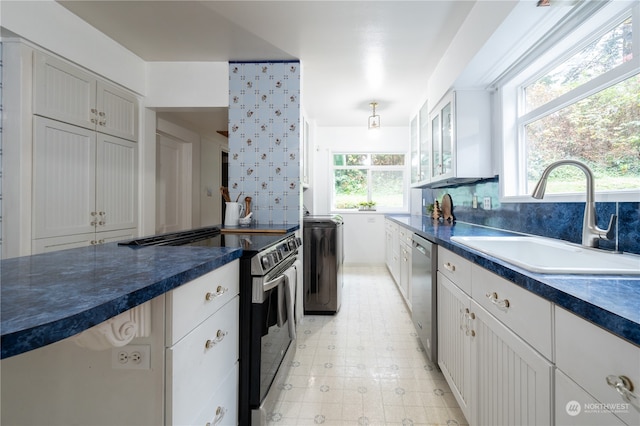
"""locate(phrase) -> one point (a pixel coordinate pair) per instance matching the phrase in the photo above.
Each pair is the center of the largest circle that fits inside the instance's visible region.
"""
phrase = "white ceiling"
(352, 52)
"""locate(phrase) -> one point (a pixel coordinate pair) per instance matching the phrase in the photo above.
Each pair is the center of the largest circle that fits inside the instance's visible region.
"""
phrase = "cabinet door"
(63, 92)
(64, 179)
(117, 112)
(46, 245)
(453, 340)
(447, 135)
(415, 151)
(512, 382)
(116, 183)
(436, 146)
(424, 147)
(405, 272)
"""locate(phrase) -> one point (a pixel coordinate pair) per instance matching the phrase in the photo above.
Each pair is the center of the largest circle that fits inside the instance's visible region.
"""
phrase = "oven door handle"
(273, 283)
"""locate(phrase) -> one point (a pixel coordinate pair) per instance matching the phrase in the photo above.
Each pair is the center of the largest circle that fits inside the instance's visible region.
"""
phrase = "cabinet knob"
(219, 292)
(624, 386)
(94, 111)
(93, 242)
(219, 337)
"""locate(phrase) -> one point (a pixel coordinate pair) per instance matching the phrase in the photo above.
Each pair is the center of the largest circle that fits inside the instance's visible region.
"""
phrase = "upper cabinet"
(420, 147)
(66, 93)
(461, 137)
(451, 143)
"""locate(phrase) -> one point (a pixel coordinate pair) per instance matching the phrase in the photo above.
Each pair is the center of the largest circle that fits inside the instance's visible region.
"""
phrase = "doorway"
(173, 188)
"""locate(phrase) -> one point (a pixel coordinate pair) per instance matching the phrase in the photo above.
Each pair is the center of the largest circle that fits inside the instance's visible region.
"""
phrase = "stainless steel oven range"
(267, 310)
(268, 346)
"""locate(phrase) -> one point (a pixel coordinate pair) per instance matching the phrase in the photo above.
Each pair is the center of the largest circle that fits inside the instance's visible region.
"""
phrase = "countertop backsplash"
(553, 220)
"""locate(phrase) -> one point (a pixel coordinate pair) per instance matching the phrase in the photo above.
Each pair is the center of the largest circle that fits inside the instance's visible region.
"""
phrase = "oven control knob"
(265, 261)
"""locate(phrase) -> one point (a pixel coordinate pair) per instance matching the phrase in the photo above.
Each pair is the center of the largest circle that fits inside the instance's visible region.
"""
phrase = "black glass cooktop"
(209, 237)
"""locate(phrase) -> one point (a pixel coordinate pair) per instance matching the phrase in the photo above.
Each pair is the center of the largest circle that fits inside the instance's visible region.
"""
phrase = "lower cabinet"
(202, 338)
(454, 340)
(512, 381)
(398, 257)
(598, 376)
(496, 376)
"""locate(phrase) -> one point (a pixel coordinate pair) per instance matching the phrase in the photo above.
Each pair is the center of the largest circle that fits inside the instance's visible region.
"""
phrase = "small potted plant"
(367, 206)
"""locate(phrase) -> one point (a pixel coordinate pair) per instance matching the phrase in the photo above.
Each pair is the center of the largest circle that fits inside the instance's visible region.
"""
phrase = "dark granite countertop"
(277, 228)
(49, 297)
(610, 301)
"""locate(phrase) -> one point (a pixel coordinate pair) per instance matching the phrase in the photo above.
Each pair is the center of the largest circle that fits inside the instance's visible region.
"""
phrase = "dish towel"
(299, 291)
(290, 281)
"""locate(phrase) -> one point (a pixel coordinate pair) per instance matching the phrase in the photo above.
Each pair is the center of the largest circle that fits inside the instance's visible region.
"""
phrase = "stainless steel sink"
(548, 256)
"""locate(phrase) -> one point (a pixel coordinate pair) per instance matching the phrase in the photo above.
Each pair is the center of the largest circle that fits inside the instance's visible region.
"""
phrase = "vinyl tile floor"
(364, 365)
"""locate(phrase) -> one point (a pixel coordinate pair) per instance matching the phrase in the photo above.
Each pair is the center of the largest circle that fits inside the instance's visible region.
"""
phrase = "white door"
(173, 184)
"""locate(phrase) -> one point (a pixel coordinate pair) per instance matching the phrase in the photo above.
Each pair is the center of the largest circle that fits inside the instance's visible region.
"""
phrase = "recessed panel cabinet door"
(512, 380)
(64, 92)
(117, 112)
(116, 183)
(64, 162)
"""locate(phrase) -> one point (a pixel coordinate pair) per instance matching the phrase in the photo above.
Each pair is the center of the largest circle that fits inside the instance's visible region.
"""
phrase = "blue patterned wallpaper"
(264, 139)
(553, 220)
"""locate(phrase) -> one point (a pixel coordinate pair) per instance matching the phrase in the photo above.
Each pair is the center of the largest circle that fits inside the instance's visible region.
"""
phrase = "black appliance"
(266, 324)
(323, 259)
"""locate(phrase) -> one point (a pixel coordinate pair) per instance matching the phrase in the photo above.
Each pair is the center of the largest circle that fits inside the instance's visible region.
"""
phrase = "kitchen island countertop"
(610, 301)
(49, 297)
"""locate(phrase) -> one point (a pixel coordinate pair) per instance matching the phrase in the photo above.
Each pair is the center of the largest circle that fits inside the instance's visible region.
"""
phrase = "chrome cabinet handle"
(449, 266)
(219, 337)
(219, 292)
(465, 325)
(220, 412)
(493, 297)
(624, 386)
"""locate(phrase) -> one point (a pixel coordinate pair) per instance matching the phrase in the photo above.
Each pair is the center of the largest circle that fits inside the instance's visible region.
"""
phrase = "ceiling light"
(374, 120)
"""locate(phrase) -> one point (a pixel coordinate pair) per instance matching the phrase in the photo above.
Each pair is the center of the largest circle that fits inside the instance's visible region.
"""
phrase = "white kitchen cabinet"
(454, 341)
(202, 349)
(461, 137)
(66, 93)
(420, 147)
(84, 183)
(393, 249)
(405, 266)
(496, 375)
(594, 360)
(512, 381)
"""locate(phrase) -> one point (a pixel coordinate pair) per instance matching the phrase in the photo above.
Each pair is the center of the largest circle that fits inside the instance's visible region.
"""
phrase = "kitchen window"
(579, 100)
(370, 181)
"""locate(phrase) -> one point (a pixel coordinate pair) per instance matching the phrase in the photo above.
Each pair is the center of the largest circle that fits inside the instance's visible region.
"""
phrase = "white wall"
(363, 232)
(54, 28)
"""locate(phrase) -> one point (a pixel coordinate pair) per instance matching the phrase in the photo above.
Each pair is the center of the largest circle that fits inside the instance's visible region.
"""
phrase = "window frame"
(379, 209)
(510, 99)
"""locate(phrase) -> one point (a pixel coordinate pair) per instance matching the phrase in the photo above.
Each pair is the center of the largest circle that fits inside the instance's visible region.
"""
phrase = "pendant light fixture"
(374, 120)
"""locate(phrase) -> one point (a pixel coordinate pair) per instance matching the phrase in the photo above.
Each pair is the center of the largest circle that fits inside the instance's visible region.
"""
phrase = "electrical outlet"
(131, 357)
(487, 203)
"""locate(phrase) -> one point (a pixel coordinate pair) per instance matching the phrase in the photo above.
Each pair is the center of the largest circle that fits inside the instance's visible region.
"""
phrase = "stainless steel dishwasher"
(423, 294)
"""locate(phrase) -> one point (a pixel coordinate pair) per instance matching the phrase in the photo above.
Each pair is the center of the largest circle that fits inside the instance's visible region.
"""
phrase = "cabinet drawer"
(456, 268)
(405, 235)
(189, 305)
(222, 408)
(588, 355)
(195, 369)
(571, 408)
(515, 307)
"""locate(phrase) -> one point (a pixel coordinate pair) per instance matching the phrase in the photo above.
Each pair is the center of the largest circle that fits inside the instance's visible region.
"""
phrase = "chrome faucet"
(590, 231)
